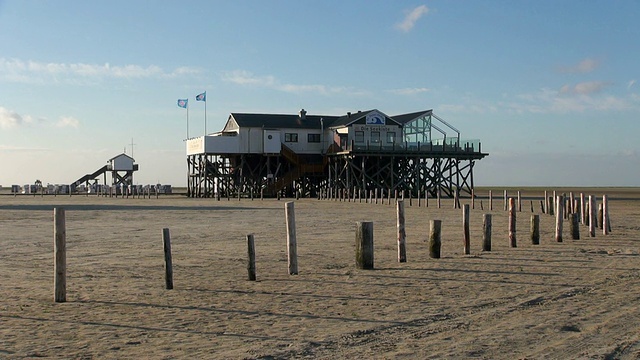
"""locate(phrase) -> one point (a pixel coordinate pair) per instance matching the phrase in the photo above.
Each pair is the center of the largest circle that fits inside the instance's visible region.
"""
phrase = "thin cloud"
(630, 84)
(408, 91)
(11, 119)
(32, 71)
(246, 78)
(585, 88)
(411, 18)
(585, 66)
(67, 121)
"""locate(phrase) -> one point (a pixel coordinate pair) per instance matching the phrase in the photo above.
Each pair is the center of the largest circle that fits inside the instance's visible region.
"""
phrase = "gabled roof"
(405, 118)
(121, 155)
(281, 121)
(349, 119)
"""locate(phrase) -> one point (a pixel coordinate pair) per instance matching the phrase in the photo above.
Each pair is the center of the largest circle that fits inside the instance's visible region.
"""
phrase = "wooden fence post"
(606, 223)
(546, 203)
(592, 216)
(465, 228)
(512, 222)
(402, 235)
(292, 247)
(583, 208)
(473, 199)
(519, 202)
(600, 216)
(575, 226)
(490, 200)
(435, 242)
(364, 245)
(251, 250)
(506, 201)
(486, 232)
(535, 229)
(168, 266)
(59, 255)
(559, 217)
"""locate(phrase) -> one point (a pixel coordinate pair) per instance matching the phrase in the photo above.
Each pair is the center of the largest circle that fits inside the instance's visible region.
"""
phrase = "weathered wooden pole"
(364, 245)
(292, 247)
(535, 229)
(490, 200)
(251, 251)
(465, 228)
(456, 199)
(592, 216)
(574, 227)
(512, 222)
(426, 197)
(600, 216)
(559, 217)
(168, 266)
(59, 256)
(606, 223)
(583, 208)
(439, 196)
(435, 242)
(506, 200)
(486, 232)
(402, 235)
(519, 201)
(546, 203)
(551, 206)
(473, 199)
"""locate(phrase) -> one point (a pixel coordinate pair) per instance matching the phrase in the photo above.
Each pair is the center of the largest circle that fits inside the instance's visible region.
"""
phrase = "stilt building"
(271, 154)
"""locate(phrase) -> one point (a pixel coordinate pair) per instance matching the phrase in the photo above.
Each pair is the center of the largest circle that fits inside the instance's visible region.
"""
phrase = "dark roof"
(312, 121)
(405, 118)
(282, 121)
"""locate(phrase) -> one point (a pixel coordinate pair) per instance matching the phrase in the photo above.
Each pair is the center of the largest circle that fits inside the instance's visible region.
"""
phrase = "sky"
(549, 87)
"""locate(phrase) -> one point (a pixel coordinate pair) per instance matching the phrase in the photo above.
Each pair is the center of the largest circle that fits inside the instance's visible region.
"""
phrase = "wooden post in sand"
(519, 202)
(559, 217)
(473, 199)
(59, 256)
(364, 245)
(512, 222)
(465, 227)
(292, 247)
(486, 232)
(606, 225)
(535, 229)
(574, 227)
(251, 252)
(506, 200)
(402, 235)
(583, 210)
(490, 200)
(592, 216)
(600, 216)
(546, 203)
(435, 242)
(168, 266)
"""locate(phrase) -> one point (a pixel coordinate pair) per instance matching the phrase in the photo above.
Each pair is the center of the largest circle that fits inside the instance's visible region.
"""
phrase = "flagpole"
(187, 121)
(205, 116)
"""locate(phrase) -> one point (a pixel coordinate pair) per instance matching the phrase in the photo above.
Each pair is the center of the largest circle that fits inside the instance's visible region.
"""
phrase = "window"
(375, 137)
(313, 138)
(359, 136)
(290, 137)
(391, 137)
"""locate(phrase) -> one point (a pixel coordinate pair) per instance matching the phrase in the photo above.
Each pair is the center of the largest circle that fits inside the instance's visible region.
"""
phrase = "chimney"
(348, 114)
(302, 114)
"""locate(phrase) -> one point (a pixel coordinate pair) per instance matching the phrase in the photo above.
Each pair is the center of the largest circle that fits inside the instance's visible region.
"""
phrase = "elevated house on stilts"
(302, 154)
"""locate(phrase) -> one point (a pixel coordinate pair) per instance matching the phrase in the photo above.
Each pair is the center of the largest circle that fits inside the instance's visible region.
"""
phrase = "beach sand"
(575, 299)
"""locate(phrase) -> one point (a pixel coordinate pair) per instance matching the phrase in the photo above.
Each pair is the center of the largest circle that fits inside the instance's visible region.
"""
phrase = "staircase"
(301, 168)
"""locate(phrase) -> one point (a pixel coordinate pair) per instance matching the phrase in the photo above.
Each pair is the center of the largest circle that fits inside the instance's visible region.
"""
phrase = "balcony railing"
(466, 146)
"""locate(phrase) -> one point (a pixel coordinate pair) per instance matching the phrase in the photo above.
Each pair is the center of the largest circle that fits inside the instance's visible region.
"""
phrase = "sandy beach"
(572, 300)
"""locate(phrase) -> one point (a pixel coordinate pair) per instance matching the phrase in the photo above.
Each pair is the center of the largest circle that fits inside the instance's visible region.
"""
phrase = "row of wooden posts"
(364, 238)
(110, 192)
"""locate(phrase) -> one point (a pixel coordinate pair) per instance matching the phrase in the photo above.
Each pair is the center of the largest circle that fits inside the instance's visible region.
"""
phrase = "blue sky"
(549, 87)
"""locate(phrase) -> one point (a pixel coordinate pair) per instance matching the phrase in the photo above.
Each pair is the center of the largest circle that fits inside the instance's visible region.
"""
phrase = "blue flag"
(202, 97)
(183, 103)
